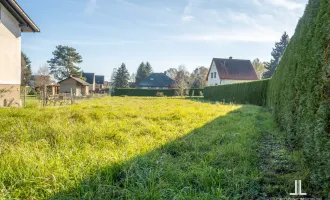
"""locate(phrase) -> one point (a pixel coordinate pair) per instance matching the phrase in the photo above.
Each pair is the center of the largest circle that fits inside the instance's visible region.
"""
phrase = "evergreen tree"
(148, 69)
(26, 71)
(277, 53)
(65, 62)
(143, 72)
(112, 77)
(121, 77)
(140, 75)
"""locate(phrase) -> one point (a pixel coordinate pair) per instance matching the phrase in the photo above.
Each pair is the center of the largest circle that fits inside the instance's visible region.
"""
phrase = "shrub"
(299, 96)
(250, 92)
(196, 92)
(143, 92)
(160, 94)
(153, 92)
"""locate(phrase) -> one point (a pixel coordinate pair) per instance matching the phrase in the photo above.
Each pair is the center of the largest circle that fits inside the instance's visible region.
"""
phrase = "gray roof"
(25, 22)
(82, 82)
(99, 79)
(90, 77)
(157, 80)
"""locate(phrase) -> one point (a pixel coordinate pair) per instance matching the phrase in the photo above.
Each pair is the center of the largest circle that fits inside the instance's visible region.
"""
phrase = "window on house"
(151, 79)
(215, 75)
(211, 75)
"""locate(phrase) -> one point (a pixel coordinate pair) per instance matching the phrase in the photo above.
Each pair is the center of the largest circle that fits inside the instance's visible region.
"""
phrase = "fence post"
(71, 97)
(24, 104)
(42, 98)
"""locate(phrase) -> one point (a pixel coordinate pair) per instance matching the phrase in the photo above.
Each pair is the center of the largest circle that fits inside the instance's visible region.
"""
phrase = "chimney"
(230, 57)
(165, 72)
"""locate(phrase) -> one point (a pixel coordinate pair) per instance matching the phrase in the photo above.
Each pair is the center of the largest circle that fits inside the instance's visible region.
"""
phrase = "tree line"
(121, 78)
(65, 63)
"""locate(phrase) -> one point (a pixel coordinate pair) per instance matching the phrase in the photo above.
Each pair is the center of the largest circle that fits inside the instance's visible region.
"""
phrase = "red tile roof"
(234, 69)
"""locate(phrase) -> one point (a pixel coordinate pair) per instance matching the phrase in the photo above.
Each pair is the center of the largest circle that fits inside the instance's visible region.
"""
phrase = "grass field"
(143, 148)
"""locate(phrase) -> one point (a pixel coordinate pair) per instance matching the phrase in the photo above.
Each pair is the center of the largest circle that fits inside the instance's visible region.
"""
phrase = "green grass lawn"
(142, 148)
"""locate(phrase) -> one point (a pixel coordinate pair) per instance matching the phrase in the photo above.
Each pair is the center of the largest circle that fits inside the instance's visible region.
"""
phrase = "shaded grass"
(134, 148)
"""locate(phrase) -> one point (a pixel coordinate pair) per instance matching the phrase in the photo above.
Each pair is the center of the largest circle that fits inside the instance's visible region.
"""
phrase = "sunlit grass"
(131, 148)
(46, 150)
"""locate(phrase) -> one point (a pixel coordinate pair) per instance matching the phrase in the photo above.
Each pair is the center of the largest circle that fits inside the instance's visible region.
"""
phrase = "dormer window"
(151, 79)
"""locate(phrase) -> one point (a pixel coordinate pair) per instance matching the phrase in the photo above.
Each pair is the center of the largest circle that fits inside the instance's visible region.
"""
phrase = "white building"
(13, 21)
(229, 71)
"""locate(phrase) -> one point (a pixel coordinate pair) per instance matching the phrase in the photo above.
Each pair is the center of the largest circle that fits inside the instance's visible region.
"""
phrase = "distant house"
(13, 21)
(38, 81)
(90, 78)
(79, 87)
(228, 71)
(53, 89)
(157, 81)
(99, 82)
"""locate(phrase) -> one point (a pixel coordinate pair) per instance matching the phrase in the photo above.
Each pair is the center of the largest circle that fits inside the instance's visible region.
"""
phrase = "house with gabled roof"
(228, 71)
(157, 81)
(96, 82)
(13, 22)
(99, 82)
(78, 86)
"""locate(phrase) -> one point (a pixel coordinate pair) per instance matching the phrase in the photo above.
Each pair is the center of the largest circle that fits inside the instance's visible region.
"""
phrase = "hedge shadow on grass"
(213, 161)
(217, 160)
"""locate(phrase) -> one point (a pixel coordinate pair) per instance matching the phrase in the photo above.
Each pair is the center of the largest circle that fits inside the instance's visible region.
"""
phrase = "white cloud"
(191, 6)
(256, 2)
(91, 6)
(264, 22)
(187, 18)
(127, 3)
(288, 4)
(231, 36)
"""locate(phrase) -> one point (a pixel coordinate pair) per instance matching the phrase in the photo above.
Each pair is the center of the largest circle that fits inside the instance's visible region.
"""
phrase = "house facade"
(157, 81)
(228, 71)
(79, 87)
(99, 82)
(90, 78)
(13, 21)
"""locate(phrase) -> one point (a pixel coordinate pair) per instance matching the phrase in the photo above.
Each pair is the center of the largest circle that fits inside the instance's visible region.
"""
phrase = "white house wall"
(218, 81)
(10, 49)
(65, 86)
(227, 81)
(213, 81)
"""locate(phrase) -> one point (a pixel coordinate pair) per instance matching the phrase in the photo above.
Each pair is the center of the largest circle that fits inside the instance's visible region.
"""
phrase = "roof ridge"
(232, 59)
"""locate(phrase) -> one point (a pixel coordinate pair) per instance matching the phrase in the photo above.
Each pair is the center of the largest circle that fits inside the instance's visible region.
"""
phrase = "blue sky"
(165, 33)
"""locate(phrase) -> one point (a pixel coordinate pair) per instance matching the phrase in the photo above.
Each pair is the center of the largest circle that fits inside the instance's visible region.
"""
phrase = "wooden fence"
(55, 100)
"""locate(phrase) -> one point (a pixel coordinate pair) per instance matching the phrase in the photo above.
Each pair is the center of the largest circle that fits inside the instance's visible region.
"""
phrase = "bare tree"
(172, 73)
(198, 77)
(42, 80)
(182, 80)
(259, 67)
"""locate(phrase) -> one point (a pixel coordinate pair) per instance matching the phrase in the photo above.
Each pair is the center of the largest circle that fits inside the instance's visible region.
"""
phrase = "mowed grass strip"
(130, 148)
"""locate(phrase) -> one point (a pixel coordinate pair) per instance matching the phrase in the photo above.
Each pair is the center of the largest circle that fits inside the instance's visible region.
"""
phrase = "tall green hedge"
(299, 93)
(153, 92)
(251, 92)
